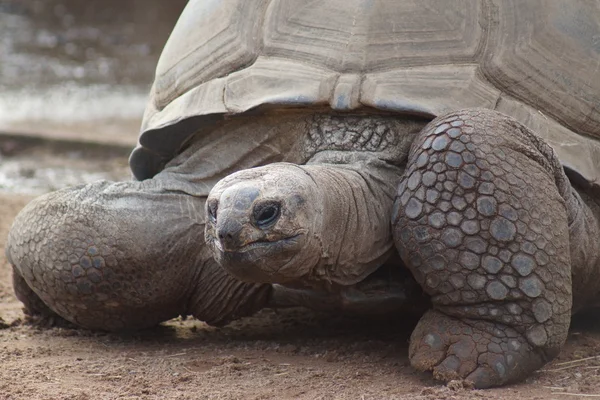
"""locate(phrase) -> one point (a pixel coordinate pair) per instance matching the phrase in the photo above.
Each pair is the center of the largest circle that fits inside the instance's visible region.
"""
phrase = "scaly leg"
(482, 220)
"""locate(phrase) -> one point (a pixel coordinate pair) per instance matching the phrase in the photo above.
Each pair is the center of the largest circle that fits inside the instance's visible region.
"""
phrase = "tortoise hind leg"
(482, 220)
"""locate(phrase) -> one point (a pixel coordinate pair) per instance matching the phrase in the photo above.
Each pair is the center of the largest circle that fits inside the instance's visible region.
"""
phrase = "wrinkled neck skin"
(356, 162)
(353, 235)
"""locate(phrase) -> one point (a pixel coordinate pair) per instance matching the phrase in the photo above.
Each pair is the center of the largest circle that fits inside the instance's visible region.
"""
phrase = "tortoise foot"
(484, 353)
(36, 312)
(33, 306)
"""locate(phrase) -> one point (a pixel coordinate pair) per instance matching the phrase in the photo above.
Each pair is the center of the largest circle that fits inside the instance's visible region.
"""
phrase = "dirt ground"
(291, 354)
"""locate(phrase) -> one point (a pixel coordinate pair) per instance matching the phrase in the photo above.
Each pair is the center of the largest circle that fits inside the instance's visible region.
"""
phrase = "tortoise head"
(261, 223)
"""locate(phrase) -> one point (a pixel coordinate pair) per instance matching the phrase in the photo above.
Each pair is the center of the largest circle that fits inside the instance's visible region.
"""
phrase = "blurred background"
(80, 67)
(74, 78)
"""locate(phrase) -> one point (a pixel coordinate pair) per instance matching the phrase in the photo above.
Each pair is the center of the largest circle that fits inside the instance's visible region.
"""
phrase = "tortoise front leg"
(123, 256)
(482, 220)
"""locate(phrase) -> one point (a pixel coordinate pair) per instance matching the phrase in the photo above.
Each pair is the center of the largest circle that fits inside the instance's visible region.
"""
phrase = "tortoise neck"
(355, 229)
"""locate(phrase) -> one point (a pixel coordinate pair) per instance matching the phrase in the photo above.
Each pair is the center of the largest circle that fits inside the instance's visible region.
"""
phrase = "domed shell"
(536, 60)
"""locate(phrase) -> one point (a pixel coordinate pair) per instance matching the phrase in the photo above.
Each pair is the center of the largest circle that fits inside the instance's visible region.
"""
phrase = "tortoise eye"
(266, 214)
(211, 209)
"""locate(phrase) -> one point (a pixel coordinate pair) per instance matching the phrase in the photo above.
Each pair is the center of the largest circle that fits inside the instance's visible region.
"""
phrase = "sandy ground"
(292, 354)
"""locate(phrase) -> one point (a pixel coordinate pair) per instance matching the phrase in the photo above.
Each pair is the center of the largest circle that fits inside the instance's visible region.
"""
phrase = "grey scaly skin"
(491, 228)
(484, 217)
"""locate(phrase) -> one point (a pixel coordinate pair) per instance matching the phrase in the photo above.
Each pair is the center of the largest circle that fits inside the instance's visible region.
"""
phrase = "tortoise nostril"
(227, 236)
(230, 234)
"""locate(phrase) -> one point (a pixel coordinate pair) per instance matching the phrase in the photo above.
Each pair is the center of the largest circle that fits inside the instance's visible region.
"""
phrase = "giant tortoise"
(290, 151)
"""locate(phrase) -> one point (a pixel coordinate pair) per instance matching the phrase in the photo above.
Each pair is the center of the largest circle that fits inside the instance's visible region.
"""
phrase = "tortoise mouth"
(262, 261)
(260, 244)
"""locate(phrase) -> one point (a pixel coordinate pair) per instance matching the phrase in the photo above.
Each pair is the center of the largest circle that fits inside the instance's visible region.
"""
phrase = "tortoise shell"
(536, 60)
